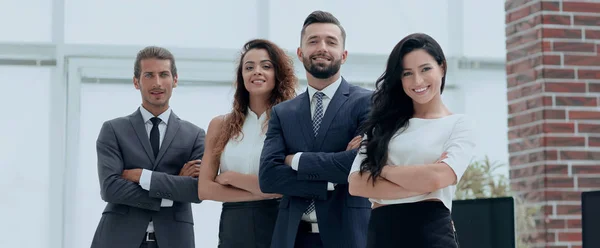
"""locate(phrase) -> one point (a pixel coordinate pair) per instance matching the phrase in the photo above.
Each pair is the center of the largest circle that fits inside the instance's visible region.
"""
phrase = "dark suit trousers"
(248, 224)
(306, 239)
(152, 244)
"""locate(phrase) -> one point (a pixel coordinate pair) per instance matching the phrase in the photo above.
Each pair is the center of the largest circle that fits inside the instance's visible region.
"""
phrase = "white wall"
(24, 156)
(26, 20)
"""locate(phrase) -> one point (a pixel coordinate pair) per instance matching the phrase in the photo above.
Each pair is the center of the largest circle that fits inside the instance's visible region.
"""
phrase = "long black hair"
(391, 107)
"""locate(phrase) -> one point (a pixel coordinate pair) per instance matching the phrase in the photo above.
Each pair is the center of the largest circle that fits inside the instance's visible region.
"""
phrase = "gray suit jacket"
(123, 144)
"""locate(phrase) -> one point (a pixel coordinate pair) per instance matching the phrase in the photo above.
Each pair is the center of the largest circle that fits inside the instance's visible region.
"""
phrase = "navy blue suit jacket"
(342, 218)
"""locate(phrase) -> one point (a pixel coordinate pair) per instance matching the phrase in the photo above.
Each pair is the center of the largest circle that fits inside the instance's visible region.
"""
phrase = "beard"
(320, 70)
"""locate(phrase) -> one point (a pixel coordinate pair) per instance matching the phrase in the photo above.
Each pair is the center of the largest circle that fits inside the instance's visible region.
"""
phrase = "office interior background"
(66, 66)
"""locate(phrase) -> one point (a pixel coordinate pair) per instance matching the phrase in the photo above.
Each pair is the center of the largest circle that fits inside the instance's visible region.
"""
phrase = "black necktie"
(155, 135)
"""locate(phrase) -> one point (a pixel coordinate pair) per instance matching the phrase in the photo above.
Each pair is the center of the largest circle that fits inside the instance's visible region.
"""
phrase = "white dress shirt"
(242, 155)
(146, 176)
(328, 92)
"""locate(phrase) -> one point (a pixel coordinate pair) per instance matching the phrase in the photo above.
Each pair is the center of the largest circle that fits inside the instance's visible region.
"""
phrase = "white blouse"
(242, 155)
(423, 142)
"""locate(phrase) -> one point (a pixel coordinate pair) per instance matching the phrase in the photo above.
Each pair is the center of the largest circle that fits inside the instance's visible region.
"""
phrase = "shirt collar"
(329, 91)
(164, 117)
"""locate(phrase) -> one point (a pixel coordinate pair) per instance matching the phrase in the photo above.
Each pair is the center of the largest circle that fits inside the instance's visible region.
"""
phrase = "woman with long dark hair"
(414, 152)
(265, 77)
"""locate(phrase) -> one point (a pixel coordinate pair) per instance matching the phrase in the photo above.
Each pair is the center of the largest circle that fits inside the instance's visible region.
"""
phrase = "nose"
(322, 47)
(419, 79)
(258, 71)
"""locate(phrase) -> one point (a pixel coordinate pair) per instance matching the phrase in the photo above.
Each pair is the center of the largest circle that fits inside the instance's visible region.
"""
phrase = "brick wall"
(553, 80)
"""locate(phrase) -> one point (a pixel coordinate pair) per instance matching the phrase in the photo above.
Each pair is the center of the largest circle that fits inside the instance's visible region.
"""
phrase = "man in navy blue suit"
(310, 146)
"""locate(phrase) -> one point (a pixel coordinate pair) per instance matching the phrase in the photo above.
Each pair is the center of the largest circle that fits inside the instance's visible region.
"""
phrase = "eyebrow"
(252, 62)
(421, 66)
(327, 37)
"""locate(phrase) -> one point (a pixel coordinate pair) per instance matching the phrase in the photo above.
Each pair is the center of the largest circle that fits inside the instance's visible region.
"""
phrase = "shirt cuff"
(330, 186)
(166, 203)
(145, 179)
(296, 161)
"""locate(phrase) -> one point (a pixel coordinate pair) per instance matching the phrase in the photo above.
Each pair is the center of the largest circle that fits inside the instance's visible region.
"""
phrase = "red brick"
(586, 20)
(588, 182)
(529, 184)
(525, 118)
(561, 33)
(568, 209)
(525, 144)
(579, 155)
(582, 60)
(576, 101)
(524, 65)
(528, 50)
(556, 169)
(560, 182)
(558, 127)
(581, 7)
(572, 46)
(533, 103)
(523, 25)
(570, 236)
(551, 60)
(533, 157)
(584, 115)
(556, 224)
(554, 114)
(558, 73)
(519, 10)
(556, 19)
(594, 141)
(572, 87)
(552, 195)
(550, 5)
(593, 87)
(574, 224)
(588, 74)
(524, 38)
(588, 128)
(592, 34)
(586, 169)
(564, 141)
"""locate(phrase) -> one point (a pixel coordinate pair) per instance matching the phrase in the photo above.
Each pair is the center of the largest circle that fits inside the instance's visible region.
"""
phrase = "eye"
(426, 69)
(164, 74)
(147, 75)
(267, 66)
(406, 74)
(249, 68)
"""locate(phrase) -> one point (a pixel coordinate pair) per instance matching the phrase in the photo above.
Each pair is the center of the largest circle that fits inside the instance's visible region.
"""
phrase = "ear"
(299, 53)
(344, 56)
(175, 82)
(136, 83)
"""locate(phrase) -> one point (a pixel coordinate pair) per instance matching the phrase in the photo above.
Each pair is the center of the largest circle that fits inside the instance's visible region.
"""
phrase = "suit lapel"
(140, 129)
(172, 128)
(339, 98)
(305, 119)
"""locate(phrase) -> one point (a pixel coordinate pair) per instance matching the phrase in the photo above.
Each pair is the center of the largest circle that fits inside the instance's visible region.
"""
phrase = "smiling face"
(322, 50)
(156, 84)
(258, 72)
(422, 76)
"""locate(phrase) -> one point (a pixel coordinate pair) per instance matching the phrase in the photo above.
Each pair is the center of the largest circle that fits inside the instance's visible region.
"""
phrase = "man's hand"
(132, 175)
(191, 168)
(288, 159)
(354, 143)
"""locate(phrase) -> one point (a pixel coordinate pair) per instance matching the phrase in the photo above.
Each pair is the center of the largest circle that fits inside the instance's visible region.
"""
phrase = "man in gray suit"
(148, 164)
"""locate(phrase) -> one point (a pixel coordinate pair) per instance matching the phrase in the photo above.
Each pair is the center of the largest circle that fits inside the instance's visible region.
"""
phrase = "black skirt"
(248, 224)
(426, 224)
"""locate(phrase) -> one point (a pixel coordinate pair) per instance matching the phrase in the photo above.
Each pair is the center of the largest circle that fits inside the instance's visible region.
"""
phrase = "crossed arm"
(122, 186)
(228, 186)
(276, 174)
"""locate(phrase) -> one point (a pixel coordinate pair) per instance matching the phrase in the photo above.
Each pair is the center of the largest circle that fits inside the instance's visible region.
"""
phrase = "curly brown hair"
(285, 89)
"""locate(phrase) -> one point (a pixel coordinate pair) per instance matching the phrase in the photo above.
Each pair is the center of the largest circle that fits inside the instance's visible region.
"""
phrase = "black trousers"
(426, 224)
(248, 224)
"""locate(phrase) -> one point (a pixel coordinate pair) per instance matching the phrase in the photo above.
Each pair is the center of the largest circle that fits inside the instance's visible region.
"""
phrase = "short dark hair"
(153, 52)
(319, 16)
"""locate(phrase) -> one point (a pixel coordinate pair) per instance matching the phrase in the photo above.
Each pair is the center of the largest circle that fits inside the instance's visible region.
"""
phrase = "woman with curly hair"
(265, 77)
(414, 152)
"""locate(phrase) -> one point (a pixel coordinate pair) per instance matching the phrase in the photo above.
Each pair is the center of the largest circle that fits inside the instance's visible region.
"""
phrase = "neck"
(320, 84)
(433, 109)
(155, 110)
(258, 104)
